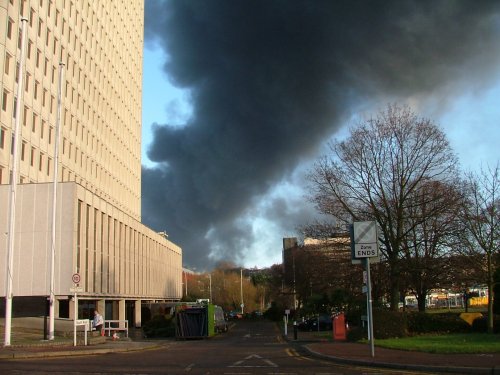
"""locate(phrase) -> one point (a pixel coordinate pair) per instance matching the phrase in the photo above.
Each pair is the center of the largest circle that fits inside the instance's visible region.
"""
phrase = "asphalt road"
(250, 347)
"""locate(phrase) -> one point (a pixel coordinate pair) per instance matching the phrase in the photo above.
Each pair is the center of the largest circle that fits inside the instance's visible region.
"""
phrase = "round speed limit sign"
(76, 278)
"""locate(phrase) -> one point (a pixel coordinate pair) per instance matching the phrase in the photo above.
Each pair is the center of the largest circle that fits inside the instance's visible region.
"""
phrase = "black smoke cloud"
(270, 80)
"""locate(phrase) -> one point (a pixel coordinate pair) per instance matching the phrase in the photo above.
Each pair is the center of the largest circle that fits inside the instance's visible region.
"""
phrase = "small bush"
(356, 334)
(388, 324)
(274, 313)
(159, 326)
(419, 323)
(481, 324)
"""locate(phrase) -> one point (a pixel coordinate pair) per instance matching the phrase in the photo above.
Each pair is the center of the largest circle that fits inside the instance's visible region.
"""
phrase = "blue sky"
(259, 100)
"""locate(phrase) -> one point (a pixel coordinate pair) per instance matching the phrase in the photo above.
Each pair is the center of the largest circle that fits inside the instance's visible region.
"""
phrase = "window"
(23, 149)
(10, 26)
(27, 83)
(44, 98)
(30, 46)
(2, 137)
(32, 16)
(34, 122)
(38, 56)
(40, 27)
(45, 67)
(5, 99)
(25, 116)
(32, 158)
(49, 161)
(37, 85)
(8, 59)
(42, 129)
(40, 162)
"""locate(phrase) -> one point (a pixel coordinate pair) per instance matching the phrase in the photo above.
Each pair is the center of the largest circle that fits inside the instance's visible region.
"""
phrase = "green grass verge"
(445, 344)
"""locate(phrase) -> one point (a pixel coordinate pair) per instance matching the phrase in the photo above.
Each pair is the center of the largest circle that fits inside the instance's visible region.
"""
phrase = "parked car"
(235, 315)
(220, 322)
(311, 324)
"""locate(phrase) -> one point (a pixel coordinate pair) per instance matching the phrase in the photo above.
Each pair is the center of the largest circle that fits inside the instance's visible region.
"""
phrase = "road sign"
(75, 278)
(82, 322)
(364, 240)
(366, 250)
(76, 289)
(365, 232)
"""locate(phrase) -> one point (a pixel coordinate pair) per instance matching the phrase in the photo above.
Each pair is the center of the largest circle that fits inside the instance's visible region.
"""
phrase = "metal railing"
(116, 325)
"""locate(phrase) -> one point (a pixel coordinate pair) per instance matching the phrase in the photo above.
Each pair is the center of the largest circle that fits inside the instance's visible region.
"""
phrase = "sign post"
(364, 246)
(285, 319)
(76, 289)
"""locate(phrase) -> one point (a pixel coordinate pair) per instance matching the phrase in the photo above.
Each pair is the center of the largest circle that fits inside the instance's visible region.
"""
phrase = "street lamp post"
(241, 290)
(210, 286)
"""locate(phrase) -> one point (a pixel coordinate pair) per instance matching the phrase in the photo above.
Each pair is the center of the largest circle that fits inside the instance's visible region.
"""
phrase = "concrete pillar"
(56, 308)
(100, 305)
(137, 313)
(121, 310)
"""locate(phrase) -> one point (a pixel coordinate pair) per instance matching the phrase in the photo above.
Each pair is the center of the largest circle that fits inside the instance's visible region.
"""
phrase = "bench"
(116, 326)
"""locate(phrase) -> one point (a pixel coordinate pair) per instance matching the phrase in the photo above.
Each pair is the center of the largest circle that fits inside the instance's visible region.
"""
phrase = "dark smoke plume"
(270, 80)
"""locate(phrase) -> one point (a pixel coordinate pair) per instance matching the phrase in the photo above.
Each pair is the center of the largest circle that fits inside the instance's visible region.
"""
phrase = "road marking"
(268, 363)
(293, 353)
(188, 368)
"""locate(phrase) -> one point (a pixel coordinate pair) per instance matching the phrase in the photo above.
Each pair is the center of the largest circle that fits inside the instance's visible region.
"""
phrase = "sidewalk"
(360, 354)
(26, 343)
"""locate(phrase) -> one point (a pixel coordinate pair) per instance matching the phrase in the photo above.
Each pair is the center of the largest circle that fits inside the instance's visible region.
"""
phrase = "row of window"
(101, 96)
(115, 258)
(116, 87)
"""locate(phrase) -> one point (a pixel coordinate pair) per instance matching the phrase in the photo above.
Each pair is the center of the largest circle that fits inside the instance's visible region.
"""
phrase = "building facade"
(98, 47)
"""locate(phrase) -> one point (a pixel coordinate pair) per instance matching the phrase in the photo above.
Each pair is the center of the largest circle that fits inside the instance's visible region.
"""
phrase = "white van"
(220, 321)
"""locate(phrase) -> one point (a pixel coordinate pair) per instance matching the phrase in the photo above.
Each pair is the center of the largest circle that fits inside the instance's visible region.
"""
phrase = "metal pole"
(370, 312)
(210, 279)
(75, 318)
(241, 289)
(186, 282)
(17, 136)
(294, 290)
(54, 205)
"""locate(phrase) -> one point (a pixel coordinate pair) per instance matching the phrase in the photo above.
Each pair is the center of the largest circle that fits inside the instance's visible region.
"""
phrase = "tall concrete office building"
(99, 236)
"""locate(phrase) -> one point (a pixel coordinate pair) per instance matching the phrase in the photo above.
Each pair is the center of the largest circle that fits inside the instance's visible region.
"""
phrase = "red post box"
(339, 328)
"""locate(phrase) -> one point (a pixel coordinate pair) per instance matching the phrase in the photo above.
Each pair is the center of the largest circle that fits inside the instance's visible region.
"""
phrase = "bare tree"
(433, 226)
(374, 173)
(481, 218)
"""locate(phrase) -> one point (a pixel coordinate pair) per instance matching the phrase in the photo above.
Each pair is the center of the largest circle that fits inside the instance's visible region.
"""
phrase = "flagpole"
(17, 139)
(54, 205)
